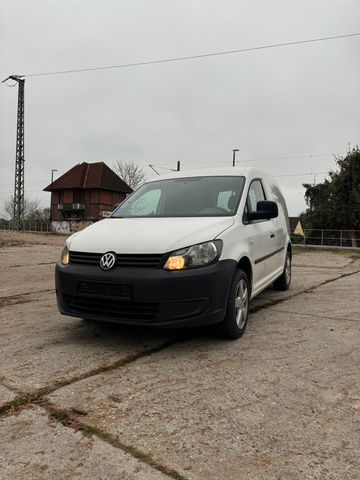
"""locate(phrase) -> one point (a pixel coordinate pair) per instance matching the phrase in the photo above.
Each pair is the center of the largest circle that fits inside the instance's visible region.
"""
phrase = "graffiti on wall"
(60, 227)
(67, 227)
(77, 226)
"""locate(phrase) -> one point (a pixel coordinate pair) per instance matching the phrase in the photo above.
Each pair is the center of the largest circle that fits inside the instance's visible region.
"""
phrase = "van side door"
(259, 234)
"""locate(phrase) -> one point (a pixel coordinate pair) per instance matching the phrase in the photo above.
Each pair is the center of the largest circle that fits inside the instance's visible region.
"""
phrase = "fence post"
(341, 238)
(322, 237)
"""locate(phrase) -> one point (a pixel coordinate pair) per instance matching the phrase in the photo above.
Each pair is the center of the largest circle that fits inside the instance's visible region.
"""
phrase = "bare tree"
(31, 208)
(131, 173)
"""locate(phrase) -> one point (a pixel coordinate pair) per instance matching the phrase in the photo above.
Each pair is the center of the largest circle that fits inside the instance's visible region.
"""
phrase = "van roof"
(212, 172)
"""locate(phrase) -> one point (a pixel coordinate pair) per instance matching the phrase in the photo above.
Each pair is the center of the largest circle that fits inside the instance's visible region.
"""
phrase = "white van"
(186, 249)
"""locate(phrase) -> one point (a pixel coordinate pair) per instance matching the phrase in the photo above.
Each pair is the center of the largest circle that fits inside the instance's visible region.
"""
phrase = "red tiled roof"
(90, 175)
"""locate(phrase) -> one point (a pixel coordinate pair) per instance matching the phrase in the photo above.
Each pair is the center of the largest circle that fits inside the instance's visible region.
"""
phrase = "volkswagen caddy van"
(187, 249)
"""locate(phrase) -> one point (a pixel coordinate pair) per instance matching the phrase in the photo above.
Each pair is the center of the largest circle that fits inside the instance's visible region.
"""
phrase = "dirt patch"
(14, 239)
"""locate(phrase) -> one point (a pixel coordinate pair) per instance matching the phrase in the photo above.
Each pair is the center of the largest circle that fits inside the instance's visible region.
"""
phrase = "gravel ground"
(87, 400)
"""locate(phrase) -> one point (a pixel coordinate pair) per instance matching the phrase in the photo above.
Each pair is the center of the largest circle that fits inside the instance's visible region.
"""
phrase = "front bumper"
(158, 297)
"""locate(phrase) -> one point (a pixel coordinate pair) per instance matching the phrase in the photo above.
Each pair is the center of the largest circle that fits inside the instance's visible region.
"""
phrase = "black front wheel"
(237, 313)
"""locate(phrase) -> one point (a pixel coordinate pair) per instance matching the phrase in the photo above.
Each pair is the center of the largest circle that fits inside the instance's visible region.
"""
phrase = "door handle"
(272, 235)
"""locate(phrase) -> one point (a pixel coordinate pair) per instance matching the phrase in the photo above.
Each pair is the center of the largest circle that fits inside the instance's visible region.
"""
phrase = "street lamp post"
(234, 153)
(52, 174)
(52, 180)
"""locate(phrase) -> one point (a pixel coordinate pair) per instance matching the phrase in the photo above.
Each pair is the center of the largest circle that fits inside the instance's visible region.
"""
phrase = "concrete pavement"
(112, 402)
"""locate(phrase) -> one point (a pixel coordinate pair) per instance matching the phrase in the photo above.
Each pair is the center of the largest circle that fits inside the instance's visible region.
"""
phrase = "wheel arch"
(245, 264)
(289, 249)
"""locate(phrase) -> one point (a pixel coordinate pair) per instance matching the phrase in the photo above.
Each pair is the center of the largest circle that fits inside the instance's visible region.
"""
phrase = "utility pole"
(52, 180)
(234, 153)
(19, 199)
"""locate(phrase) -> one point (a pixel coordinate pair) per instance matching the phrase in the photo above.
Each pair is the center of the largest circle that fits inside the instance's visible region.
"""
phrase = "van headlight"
(65, 256)
(195, 256)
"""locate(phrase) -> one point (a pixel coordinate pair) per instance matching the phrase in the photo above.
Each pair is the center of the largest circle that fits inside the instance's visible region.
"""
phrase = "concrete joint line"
(68, 419)
(314, 315)
(343, 275)
(272, 303)
(34, 265)
(27, 293)
(26, 398)
(322, 267)
(107, 368)
(19, 298)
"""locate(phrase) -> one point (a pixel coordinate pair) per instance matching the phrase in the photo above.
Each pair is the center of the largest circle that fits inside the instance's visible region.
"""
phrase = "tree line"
(335, 203)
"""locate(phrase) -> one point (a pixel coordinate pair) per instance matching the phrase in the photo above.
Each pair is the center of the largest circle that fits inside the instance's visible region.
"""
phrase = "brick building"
(82, 194)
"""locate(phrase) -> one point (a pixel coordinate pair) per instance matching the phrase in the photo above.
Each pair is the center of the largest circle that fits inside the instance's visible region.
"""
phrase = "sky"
(288, 110)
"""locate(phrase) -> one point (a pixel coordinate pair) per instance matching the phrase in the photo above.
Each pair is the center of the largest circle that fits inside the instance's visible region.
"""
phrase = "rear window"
(184, 197)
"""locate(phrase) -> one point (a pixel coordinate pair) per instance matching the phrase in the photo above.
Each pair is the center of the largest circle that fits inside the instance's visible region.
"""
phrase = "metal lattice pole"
(19, 199)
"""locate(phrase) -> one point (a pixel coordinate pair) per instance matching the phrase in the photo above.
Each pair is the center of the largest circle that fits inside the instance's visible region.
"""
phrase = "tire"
(283, 282)
(237, 313)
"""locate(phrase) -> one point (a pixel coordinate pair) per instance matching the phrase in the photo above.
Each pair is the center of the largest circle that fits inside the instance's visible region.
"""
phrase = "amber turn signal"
(175, 263)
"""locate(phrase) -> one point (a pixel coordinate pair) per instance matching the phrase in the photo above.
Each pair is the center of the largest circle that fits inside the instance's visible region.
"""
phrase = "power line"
(265, 159)
(300, 174)
(192, 57)
(276, 176)
(27, 191)
(293, 156)
(28, 182)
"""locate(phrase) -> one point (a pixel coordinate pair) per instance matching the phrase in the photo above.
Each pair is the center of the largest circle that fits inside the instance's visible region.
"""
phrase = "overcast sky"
(283, 102)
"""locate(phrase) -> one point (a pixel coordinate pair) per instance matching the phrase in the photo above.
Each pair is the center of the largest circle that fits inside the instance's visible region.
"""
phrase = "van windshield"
(184, 197)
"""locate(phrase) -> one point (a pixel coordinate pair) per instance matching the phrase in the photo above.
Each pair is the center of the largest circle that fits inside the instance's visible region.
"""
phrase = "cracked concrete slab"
(36, 447)
(47, 348)
(39, 347)
(303, 279)
(328, 259)
(10, 239)
(24, 280)
(281, 403)
(339, 299)
(310, 270)
(14, 257)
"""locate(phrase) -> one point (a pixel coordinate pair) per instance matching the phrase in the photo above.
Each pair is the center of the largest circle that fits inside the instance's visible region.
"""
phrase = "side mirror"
(265, 210)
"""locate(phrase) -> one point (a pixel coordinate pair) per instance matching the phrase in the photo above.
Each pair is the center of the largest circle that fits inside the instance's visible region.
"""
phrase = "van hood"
(147, 235)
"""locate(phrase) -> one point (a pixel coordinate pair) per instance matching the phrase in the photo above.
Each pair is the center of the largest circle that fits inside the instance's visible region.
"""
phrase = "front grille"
(123, 260)
(139, 260)
(85, 258)
(116, 309)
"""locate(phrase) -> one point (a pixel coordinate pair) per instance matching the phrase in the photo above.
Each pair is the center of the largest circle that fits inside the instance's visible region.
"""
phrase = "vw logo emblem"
(107, 261)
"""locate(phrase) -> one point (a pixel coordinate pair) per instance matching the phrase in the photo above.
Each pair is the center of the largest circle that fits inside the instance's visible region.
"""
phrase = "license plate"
(100, 289)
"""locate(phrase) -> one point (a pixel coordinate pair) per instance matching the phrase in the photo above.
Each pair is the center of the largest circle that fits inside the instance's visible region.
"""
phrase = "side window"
(256, 194)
